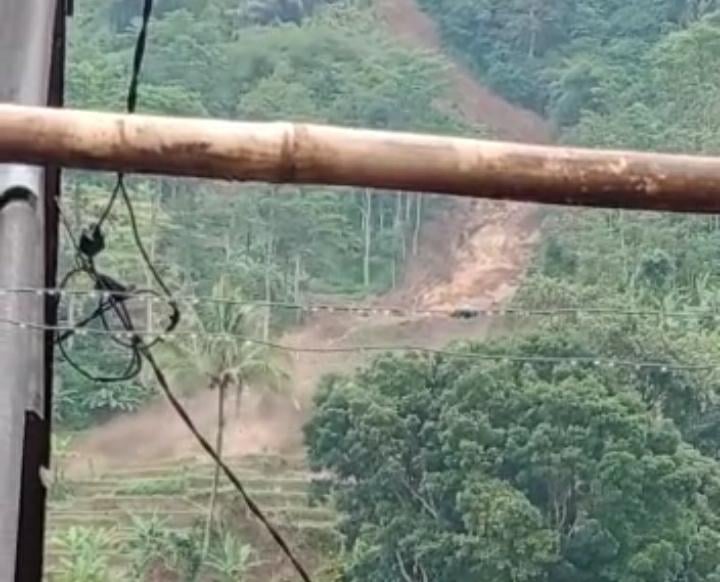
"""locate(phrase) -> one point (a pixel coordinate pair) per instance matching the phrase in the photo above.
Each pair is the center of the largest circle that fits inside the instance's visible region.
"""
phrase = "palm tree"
(221, 354)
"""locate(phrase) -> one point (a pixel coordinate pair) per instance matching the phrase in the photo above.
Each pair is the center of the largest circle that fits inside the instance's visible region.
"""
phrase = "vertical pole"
(27, 44)
(20, 237)
(38, 419)
(367, 223)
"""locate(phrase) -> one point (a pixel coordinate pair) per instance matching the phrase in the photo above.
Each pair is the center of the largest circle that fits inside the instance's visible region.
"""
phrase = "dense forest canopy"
(449, 470)
(571, 59)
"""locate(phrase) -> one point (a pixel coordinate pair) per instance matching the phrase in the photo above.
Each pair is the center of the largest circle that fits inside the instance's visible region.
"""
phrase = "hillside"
(475, 102)
(556, 453)
(573, 439)
(489, 249)
(151, 518)
(480, 264)
(608, 75)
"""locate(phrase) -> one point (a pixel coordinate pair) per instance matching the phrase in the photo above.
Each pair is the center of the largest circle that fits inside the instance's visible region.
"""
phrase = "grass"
(167, 486)
(166, 501)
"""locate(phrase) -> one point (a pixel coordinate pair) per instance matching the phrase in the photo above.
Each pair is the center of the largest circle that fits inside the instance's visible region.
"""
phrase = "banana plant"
(86, 554)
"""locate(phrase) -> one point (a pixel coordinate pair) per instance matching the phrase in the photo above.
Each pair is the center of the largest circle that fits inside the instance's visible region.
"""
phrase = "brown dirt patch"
(474, 253)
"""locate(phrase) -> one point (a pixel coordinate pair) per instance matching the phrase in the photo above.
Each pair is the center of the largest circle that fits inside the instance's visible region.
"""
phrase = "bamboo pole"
(313, 154)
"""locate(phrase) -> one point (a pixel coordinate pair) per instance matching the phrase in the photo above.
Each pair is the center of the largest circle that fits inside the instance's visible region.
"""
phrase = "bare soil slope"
(474, 253)
(477, 103)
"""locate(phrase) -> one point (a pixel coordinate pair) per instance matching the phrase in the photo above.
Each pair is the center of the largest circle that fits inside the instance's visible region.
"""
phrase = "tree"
(222, 361)
(367, 214)
(454, 469)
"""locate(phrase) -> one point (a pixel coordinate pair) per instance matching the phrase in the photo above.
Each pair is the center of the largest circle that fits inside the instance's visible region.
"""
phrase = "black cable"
(175, 314)
(119, 183)
(90, 245)
(138, 59)
(140, 350)
(134, 366)
(139, 56)
(131, 371)
(94, 235)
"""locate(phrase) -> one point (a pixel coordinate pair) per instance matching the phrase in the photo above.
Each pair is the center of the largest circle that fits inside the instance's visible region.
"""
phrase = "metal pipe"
(26, 33)
(314, 154)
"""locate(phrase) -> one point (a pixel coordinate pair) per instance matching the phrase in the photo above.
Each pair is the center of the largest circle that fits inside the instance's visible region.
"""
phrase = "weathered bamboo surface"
(281, 152)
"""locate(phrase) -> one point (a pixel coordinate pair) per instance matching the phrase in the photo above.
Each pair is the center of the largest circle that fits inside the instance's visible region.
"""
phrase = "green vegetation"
(148, 545)
(515, 470)
(137, 528)
(574, 59)
(149, 548)
(575, 470)
(247, 60)
(462, 470)
(165, 486)
(85, 554)
(229, 559)
(155, 548)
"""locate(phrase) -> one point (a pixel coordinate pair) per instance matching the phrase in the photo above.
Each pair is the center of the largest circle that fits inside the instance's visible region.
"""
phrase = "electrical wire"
(458, 312)
(139, 56)
(132, 96)
(610, 363)
(112, 300)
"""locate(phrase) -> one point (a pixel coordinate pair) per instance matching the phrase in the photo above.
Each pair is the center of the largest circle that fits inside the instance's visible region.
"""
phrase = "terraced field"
(174, 496)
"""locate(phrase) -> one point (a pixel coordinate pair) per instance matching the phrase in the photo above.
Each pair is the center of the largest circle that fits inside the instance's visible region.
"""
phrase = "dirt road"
(474, 253)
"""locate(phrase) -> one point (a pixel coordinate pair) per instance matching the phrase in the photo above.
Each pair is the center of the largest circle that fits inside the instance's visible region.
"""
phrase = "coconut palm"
(220, 353)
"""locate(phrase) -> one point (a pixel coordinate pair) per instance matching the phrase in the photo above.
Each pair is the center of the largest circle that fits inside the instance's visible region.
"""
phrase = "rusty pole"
(314, 154)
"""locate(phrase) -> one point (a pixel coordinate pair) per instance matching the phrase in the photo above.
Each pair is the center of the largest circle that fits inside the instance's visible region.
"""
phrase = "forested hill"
(608, 74)
(255, 60)
(575, 61)
(585, 447)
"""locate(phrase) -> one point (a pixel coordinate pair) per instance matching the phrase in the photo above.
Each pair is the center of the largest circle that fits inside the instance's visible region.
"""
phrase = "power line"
(458, 312)
(585, 360)
(89, 246)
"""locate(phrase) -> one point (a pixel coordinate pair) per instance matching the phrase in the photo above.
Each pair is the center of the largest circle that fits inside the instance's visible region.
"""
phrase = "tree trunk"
(77, 206)
(399, 226)
(216, 475)
(623, 247)
(381, 213)
(368, 238)
(239, 389)
(71, 319)
(296, 278)
(268, 287)
(534, 29)
(296, 284)
(398, 209)
(418, 219)
(146, 375)
(232, 227)
(152, 246)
